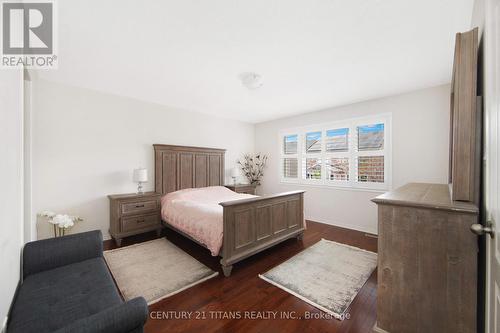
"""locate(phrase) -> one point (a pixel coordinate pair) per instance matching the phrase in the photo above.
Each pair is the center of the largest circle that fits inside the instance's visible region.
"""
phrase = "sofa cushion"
(52, 299)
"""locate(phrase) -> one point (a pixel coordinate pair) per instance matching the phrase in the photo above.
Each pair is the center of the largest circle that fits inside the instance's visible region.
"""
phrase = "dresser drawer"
(245, 190)
(139, 222)
(138, 207)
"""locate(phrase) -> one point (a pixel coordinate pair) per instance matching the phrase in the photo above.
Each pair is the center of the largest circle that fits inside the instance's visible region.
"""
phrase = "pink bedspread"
(196, 211)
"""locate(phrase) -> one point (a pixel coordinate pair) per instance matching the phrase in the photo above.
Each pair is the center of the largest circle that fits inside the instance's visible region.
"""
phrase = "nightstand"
(242, 188)
(132, 214)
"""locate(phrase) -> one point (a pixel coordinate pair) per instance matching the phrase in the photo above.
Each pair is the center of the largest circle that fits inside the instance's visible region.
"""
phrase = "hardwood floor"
(244, 292)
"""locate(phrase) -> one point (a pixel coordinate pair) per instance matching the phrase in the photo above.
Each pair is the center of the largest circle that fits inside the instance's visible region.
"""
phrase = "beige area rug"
(327, 275)
(155, 270)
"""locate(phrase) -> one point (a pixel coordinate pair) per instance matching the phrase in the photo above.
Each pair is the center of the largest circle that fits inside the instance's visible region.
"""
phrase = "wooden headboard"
(180, 167)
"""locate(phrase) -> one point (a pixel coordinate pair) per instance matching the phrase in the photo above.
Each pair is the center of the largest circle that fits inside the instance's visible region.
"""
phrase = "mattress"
(197, 213)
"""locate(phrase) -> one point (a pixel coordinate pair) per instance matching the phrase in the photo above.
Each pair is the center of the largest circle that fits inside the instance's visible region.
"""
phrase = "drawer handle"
(139, 206)
(141, 221)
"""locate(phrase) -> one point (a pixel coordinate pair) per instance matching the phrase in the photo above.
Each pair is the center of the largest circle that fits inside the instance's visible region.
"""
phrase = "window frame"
(352, 154)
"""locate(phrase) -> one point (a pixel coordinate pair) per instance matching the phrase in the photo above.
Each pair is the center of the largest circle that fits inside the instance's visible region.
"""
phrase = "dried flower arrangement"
(252, 166)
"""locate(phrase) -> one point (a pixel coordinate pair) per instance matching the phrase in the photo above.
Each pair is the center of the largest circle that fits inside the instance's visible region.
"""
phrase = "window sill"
(336, 187)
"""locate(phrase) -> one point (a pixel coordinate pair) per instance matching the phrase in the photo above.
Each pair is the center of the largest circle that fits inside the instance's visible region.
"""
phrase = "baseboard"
(4, 326)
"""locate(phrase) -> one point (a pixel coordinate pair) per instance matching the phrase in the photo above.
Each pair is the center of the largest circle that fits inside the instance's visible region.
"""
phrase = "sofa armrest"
(51, 253)
(127, 317)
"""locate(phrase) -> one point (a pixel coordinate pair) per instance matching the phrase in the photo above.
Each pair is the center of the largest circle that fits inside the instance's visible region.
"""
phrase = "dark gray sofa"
(66, 287)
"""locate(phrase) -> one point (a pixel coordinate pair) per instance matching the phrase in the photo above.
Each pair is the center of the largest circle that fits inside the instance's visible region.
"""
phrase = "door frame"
(491, 151)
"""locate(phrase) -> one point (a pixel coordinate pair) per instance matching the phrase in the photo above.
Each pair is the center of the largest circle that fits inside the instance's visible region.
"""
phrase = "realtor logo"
(28, 34)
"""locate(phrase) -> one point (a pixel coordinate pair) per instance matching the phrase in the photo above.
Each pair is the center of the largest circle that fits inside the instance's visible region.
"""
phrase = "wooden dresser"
(242, 188)
(132, 214)
(427, 261)
(427, 254)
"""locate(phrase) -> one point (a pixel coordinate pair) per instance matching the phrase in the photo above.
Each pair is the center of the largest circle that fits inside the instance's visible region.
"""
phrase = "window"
(313, 168)
(313, 142)
(337, 168)
(354, 153)
(290, 166)
(290, 160)
(337, 140)
(371, 169)
(291, 144)
(371, 137)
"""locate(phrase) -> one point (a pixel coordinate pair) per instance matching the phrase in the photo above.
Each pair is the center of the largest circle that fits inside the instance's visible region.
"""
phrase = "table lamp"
(140, 176)
(234, 174)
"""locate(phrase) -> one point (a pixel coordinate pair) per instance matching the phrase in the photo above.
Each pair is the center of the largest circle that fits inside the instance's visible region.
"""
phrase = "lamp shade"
(140, 175)
(235, 172)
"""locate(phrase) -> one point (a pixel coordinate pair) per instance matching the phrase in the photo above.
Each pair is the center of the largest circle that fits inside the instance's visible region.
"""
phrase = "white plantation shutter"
(369, 154)
(290, 167)
(312, 156)
(311, 168)
(290, 146)
(370, 169)
(337, 168)
(289, 161)
(337, 155)
(355, 153)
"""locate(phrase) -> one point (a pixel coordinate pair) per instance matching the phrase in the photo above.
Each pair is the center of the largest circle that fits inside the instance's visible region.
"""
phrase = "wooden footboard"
(255, 224)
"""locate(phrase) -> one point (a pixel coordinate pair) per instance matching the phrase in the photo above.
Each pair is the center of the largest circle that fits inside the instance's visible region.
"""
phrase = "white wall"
(479, 16)
(86, 144)
(420, 129)
(29, 227)
(11, 195)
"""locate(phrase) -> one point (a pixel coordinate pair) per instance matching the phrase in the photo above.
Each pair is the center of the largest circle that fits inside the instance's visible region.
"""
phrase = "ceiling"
(311, 54)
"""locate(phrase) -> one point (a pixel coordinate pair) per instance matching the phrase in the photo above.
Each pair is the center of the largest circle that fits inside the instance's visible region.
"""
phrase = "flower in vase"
(63, 221)
(60, 222)
(252, 166)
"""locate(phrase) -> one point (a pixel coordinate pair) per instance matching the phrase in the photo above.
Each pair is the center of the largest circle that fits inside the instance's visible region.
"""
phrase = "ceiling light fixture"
(251, 80)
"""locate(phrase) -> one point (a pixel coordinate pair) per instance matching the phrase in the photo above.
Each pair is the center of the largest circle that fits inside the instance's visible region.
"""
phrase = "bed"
(191, 179)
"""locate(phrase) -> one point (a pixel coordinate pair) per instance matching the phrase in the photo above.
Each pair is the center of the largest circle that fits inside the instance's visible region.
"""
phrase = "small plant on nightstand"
(60, 222)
